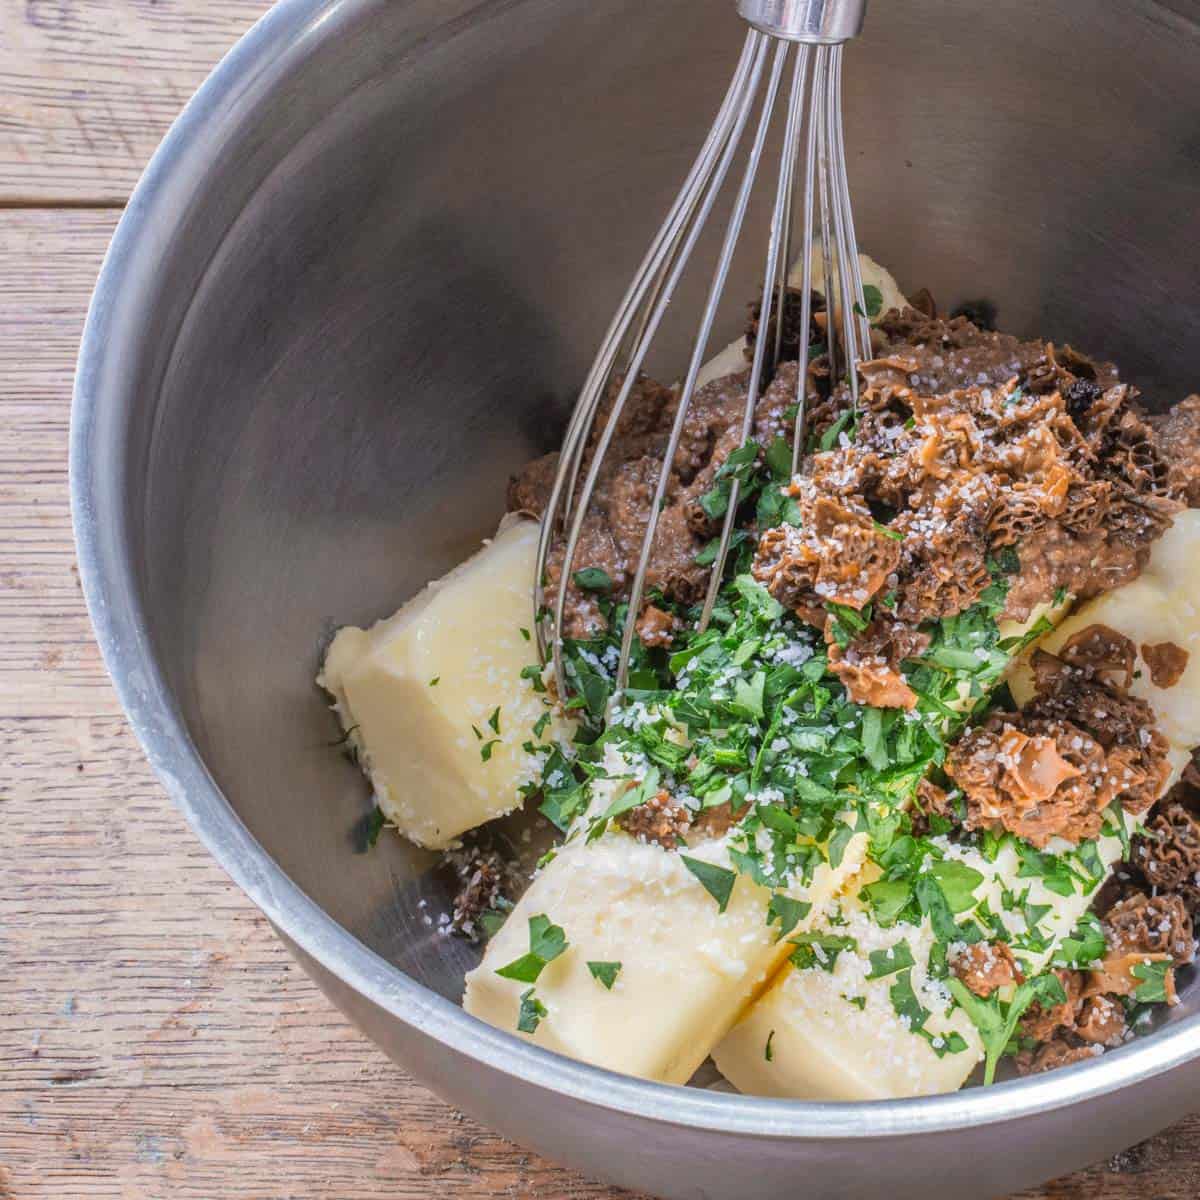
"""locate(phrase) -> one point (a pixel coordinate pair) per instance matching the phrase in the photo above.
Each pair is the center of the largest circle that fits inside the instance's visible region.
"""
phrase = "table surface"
(156, 1040)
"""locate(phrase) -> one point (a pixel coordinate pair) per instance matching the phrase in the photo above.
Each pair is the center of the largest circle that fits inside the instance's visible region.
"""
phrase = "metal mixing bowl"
(357, 287)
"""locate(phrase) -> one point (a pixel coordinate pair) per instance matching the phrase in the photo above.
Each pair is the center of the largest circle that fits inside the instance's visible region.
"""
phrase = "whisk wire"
(774, 292)
(700, 348)
(813, 120)
(650, 279)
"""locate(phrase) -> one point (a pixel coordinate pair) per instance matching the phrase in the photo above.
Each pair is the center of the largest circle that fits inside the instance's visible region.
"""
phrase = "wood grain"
(156, 1041)
(89, 87)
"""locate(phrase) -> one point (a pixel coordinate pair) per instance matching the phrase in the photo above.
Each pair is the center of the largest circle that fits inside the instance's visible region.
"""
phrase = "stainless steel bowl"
(357, 287)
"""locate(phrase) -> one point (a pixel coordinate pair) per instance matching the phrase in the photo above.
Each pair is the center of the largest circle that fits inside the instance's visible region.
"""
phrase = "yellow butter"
(420, 743)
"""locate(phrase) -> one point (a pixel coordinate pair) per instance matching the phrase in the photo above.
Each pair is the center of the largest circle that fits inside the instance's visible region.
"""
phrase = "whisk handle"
(818, 22)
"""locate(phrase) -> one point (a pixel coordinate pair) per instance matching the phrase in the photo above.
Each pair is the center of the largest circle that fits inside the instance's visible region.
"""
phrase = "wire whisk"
(811, 34)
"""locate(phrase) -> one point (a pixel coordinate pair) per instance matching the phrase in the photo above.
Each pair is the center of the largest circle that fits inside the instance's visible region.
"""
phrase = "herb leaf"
(531, 1013)
(1153, 988)
(718, 881)
(888, 962)
(605, 973)
(546, 942)
(375, 823)
(788, 912)
(593, 579)
(819, 950)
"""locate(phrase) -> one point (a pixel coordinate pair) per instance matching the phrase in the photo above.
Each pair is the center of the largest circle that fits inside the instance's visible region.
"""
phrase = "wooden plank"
(89, 87)
(156, 1041)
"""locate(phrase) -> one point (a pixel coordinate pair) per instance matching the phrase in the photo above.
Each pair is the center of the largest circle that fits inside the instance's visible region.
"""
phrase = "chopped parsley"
(888, 962)
(605, 973)
(1085, 946)
(531, 1013)
(787, 911)
(997, 1020)
(533, 673)
(593, 579)
(546, 942)
(1153, 986)
(819, 950)
(374, 826)
(717, 881)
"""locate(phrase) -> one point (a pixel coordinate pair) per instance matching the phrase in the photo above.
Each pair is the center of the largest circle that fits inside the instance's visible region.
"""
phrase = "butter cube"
(433, 699)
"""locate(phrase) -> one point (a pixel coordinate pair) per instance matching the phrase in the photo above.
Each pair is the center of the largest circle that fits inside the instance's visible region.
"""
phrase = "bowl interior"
(391, 273)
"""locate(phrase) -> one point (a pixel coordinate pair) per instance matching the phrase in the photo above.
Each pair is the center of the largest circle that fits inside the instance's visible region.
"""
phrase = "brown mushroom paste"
(968, 443)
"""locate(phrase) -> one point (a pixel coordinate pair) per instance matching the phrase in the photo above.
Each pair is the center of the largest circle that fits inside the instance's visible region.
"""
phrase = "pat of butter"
(686, 969)
(835, 1035)
(423, 744)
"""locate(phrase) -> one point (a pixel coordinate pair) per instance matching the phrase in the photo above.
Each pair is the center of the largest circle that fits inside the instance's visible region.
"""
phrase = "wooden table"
(155, 1038)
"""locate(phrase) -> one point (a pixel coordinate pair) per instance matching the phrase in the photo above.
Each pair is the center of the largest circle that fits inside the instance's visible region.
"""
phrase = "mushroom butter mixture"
(920, 798)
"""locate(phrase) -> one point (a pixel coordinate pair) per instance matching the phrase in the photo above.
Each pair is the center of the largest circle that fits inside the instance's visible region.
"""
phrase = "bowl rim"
(109, 576)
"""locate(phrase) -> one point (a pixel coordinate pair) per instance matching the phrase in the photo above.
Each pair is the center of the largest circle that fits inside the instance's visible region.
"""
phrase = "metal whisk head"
(812, 162)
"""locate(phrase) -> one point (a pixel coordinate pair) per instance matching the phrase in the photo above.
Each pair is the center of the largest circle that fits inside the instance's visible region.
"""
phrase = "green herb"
(997, 1021)
(888, 962)
(873, 299)
(717, 881)
(748, 695)
(1085, 946)
(629, 799)
(1153, 988)
(888, 898)
(1007, 560)
(592, 579)
(375, 823)
(904, 1001)
(958, 883)
(936, 907)
(829, 438)
(874, 738)
(435, 681)
(494, 719)
(819, 950)
(546, 942)
(531, 1014)
(1116, 824)
(534, 674)
(859, 1002)
(948, 1043)
(485, 751)
(779, 458)
(788, 912)
(888, 532)
(525, 633)
(539, 726)
(605, 973)
(768, 1052)
(564, 796)
(847, 622)
(838, 843)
